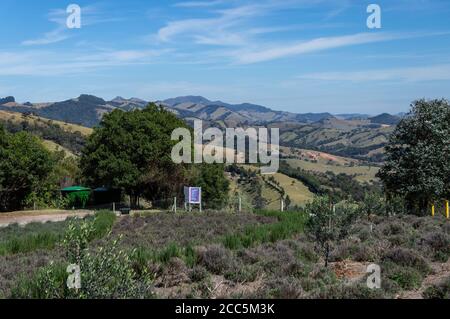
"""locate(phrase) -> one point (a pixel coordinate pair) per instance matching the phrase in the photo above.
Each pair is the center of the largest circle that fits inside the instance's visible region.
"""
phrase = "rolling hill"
(350, 135)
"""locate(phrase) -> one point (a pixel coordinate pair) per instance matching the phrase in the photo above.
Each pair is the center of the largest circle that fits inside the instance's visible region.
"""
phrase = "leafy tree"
(25, 166)
(327, 224)
(210, 177)
(418, 156)
(373, 204)
(131, 151)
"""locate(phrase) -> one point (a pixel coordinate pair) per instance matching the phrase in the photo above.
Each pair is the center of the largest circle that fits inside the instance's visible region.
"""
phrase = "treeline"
(30, 175)
(249, 179)
(48, 130)
(336, 186)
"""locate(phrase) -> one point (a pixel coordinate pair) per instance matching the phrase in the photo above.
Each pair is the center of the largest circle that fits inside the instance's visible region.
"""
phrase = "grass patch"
(289, 224)
(15, 239)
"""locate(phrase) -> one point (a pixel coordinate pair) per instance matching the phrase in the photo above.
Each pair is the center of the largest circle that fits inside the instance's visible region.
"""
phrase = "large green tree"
(417, 166)
(210, 177)
(25, 166)
(131, 150)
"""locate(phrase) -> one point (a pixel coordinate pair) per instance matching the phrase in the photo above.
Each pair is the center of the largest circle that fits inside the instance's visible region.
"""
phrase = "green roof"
(75, 189)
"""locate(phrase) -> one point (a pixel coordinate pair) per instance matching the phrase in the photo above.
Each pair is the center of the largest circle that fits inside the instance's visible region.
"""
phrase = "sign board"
(193, 195)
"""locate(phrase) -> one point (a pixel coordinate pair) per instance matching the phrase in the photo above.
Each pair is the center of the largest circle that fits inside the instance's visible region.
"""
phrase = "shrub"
(173, 273)
(48, 283)
(439, 243)
(242, 273)
(440, 291)
(406, 258)
(406, 277)
(216, 259)
(106, 272)
(327, 225)
(341, 291)
(283, 288)
(198, 274)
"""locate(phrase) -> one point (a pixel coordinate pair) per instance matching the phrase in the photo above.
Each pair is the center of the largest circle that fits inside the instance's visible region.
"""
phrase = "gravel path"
(41, 216)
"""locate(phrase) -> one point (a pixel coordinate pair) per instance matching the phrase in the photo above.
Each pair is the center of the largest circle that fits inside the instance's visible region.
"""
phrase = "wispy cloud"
(54, 36)
(226, 26)
(280, 50)
(216, 27)
(410, 74)
(196, 4)
(44, 63)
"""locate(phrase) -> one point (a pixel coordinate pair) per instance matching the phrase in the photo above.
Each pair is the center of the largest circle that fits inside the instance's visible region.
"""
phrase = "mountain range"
(87, 110)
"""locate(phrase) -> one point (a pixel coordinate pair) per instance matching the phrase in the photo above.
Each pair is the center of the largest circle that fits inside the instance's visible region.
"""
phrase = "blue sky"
(293, 55)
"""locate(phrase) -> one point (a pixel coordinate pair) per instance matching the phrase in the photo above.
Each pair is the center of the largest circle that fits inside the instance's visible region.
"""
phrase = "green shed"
(78, 196)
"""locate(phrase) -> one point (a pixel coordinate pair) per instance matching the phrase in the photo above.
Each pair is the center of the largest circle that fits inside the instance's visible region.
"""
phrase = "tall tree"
(418, 156)
(25, 166)
(131, 150)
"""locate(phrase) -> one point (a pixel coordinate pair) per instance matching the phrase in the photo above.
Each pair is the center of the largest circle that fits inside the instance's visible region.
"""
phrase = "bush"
(405, 277)
(198, 274)
(406, 258)
(439, 244)
(242, 273)
(283, 288)
(216, 259)
(106, 272)
(174, 273)
(48, 283)
(328, 225)
(340, 291)
(440, 291)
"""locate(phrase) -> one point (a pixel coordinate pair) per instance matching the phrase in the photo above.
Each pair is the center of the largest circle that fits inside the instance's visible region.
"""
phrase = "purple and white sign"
(193, 195)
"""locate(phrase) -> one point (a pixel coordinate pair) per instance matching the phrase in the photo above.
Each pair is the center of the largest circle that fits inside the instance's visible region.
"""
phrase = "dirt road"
(40, 216)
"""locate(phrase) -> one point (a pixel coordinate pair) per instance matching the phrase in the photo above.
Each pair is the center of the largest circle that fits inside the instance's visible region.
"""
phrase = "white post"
(114, 207)
(282, 204)
(175, 204)
(240, 204)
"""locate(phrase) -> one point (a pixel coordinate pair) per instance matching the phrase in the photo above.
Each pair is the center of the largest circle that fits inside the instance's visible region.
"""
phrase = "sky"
(291, 55)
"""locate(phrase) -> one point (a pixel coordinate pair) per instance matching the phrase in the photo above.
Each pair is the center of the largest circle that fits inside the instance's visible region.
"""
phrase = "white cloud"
(281, 50)
(195, 4)
(44, 63)
(226, 28)
(54, 36)
(439, 72)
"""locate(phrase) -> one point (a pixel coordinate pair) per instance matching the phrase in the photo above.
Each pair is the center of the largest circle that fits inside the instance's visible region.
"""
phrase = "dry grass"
(363, 173)
(53, 147)
(18, 118)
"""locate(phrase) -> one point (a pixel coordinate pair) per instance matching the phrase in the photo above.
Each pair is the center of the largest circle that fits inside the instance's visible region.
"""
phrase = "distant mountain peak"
(87, 98)
(187, 99)
(385, 118)
(8, 99)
